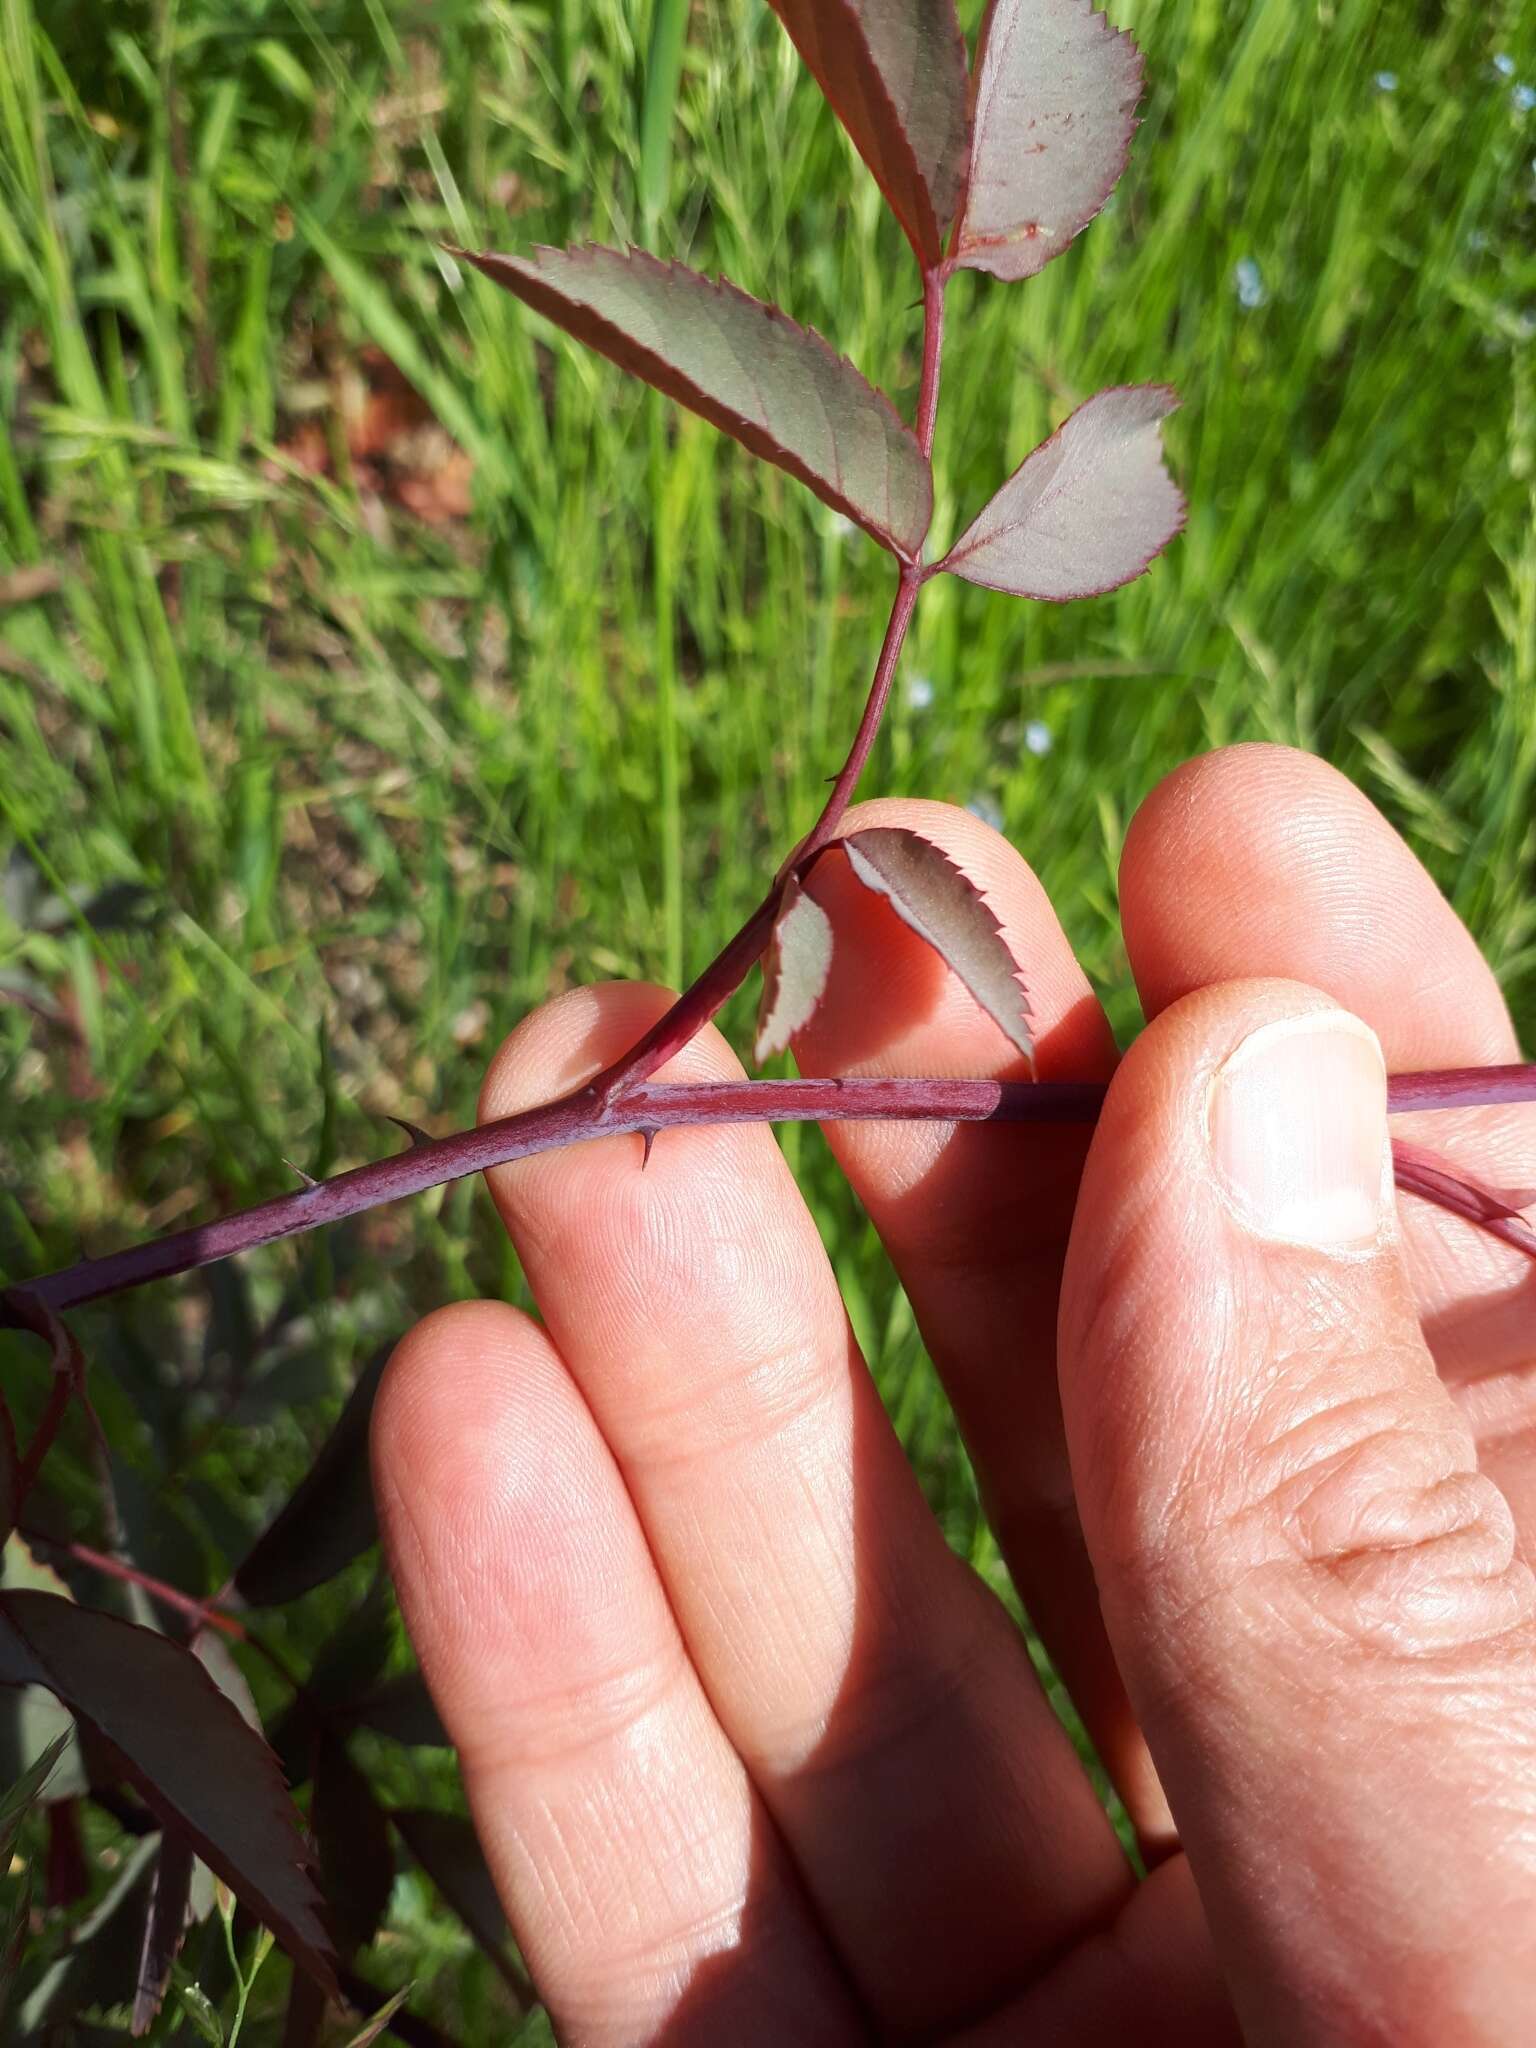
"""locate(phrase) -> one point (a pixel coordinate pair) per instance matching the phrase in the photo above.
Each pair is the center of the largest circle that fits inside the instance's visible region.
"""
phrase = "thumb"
(1315, 1598)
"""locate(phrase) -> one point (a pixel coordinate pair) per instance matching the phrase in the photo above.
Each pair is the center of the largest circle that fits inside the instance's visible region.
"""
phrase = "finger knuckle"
(1396, 1542)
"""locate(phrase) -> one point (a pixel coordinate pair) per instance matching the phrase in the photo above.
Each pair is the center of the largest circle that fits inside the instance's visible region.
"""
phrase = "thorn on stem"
(307, 1178)
(414, 1132)
(648, 1138)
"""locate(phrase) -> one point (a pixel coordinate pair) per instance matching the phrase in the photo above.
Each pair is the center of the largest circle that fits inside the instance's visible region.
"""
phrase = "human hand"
(755, 1758)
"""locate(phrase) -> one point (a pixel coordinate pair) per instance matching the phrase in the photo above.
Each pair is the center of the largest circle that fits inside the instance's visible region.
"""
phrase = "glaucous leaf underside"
(747, 368)
(928, 893)
(943, 905)
(1087, 511)
(1056, 94)
(795, 969)
(894, 73)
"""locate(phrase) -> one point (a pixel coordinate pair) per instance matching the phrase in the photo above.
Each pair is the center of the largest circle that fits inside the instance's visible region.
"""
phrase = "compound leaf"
(795, 969)
(1087, 511)
(1056, 94)
(942, 905)
(746, 368)
(184, 1747)
(893, 71)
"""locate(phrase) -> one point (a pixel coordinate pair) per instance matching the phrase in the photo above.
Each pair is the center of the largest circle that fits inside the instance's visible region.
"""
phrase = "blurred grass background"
(373, 664)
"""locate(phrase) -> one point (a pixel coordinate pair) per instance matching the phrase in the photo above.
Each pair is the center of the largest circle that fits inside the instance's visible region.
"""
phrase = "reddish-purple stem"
(1460, 1088)
(157, 1589)
(725, 974)
(649, 1107)
(826, 826)
(60, 1393)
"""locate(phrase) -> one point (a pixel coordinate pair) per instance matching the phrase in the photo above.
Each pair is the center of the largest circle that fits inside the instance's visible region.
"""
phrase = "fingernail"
(1298, 1128)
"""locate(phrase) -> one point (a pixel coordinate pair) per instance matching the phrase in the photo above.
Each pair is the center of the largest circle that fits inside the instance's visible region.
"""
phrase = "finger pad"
(1264, 861)
(506, 1523)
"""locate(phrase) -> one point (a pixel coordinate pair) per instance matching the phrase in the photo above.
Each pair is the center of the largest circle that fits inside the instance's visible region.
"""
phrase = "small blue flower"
(1523, 98)
(1250, 284)
(1385, 81)
(1038, 736)
(1504, 65)
(987, 809)
(919, 693)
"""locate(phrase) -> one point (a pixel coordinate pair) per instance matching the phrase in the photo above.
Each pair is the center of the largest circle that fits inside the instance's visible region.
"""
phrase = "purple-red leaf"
(184, 1747)
(942, 905)
(329, 1518)
(66, 1876)
(448, 1850)
(795, 969)
(1056, 93)
(357, 1862)
(165, 1924)
(401, 1708)
(1087, 511)
(306, 2011)
(746, 368)
(894, 73)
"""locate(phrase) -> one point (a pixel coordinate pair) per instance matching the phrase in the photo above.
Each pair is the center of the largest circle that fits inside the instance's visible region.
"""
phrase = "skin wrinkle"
(1316, 1499)
(617, 1707)
(680, 1845)
(819, 1607)
(774, 1398)
(557, 1879)
(772, 1388)
(1509, 1415)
